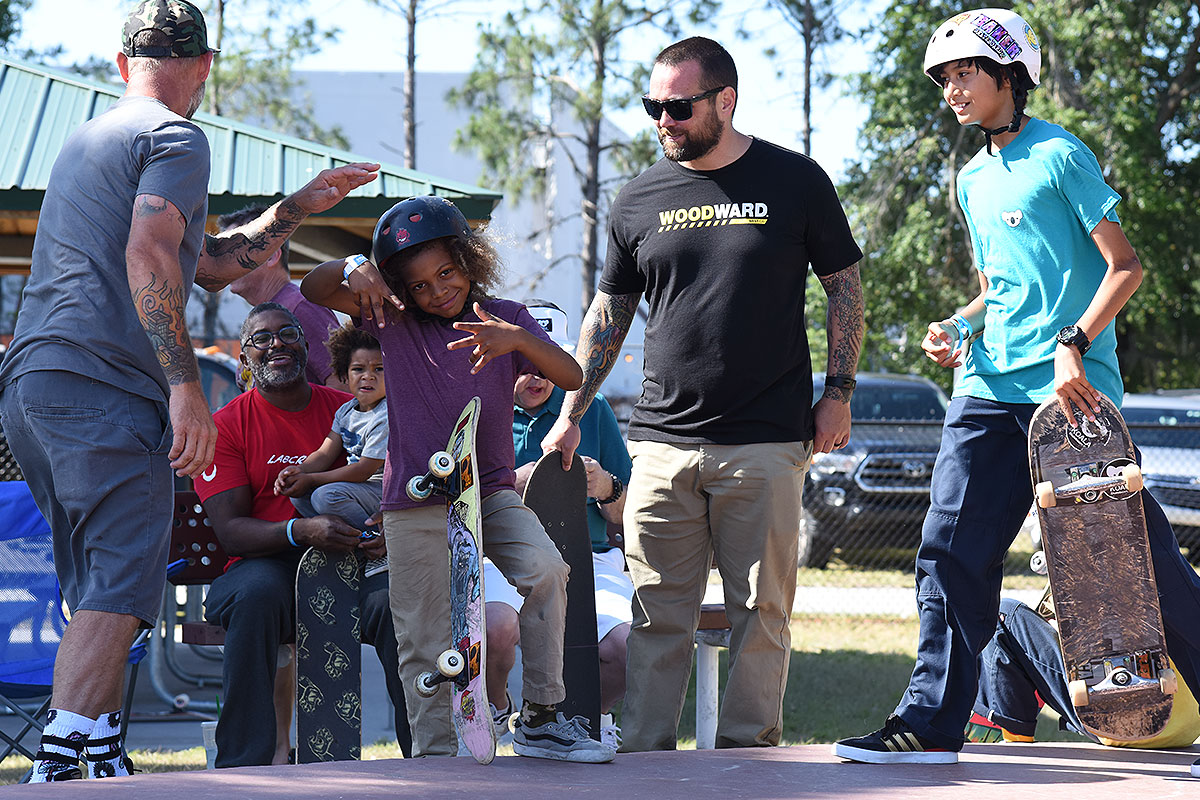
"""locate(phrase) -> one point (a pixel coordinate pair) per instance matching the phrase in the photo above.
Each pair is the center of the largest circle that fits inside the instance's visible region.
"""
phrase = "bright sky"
(372, 39)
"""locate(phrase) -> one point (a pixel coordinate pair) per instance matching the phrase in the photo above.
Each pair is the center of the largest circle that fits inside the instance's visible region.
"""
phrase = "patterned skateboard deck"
(328, 657)
(560, 500)
(468, 632)
(1101, 574)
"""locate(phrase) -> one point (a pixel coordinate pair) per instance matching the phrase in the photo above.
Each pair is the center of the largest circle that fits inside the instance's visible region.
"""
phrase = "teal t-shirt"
(1031, 208)
(599, 438)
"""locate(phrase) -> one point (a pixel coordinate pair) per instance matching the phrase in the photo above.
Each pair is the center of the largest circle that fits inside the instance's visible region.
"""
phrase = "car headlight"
(835, 463)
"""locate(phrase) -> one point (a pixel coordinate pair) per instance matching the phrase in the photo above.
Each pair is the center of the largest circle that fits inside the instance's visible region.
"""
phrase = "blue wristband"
(290, 523)
(354, 262)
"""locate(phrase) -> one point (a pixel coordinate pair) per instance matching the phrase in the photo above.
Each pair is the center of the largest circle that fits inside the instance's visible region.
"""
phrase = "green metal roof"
(40, 107)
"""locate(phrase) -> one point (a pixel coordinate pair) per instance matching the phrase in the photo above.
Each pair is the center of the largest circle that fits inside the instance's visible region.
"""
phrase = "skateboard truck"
(1120, 673)
(450, 667)
(441, 478)
(1090, 487)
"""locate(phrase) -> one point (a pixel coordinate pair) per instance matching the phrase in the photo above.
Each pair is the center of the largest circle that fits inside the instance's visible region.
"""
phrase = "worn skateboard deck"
(560, 500)
(328, 657)
(1101, 576)
(468, 632)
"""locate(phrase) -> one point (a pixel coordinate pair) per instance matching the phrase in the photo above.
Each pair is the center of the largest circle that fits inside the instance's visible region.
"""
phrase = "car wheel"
(816, 543)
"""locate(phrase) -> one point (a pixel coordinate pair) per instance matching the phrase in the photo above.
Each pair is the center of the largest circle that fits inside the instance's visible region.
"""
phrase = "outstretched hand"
(371, 292)
(491, 338)
(329, 187)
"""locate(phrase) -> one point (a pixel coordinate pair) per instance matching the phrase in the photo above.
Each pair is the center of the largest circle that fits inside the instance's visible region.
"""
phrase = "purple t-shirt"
(318, 322)
(427, 388)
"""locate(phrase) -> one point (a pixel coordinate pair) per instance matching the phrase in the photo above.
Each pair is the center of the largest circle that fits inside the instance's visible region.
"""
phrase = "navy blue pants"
(980, 495)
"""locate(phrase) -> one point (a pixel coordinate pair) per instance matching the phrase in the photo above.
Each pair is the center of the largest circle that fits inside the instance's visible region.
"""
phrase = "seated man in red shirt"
(278, 422)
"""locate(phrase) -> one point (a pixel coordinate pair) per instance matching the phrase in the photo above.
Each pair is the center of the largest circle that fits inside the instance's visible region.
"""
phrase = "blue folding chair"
(32, 618)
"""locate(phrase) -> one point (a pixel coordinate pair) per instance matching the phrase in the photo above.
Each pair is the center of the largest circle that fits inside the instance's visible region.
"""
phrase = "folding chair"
(32, 617)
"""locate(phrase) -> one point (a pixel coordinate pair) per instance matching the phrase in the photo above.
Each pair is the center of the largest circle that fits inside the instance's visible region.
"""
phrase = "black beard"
(698, 144)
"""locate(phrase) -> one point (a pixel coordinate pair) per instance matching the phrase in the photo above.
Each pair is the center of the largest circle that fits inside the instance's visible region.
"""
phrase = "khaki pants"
(419, 579)
(685, 503)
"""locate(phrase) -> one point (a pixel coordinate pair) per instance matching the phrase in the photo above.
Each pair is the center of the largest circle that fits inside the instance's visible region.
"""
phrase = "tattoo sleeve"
(600, 338)
(844, 325)
(160, 307)
(229, 255)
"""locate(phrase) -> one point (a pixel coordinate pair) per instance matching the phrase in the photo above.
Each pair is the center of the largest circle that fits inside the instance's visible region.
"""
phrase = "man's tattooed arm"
(159, 306)
(156, 285)
(844, 326)
(600, 338)
(230, 255)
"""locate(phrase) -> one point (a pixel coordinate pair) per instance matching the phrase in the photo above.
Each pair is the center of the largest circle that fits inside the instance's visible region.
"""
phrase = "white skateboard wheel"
(441, 464)
(1045, 495)
(450, 663)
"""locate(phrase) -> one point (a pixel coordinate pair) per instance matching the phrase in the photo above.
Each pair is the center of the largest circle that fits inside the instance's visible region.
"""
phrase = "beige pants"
(419, 578)
(685, 503)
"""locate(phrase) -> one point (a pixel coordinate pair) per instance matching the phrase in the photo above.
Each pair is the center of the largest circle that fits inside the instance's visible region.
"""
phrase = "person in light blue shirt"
(1054, 269)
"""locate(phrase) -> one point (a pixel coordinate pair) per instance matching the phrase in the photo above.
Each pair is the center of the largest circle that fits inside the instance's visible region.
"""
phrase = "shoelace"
(577, 727)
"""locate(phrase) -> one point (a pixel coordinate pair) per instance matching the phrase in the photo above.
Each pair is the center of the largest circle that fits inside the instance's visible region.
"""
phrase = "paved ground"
(986, 772)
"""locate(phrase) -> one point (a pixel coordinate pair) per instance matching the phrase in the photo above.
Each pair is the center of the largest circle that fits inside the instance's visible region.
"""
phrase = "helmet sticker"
(1031, 38)
(401, 236)
(1012, 218)
(995, 36)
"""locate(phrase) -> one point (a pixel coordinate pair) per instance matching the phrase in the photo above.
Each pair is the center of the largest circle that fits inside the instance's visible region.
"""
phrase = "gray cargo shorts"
(95, 459)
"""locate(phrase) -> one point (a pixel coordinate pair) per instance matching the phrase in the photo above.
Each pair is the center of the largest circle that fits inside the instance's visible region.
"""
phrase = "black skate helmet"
(415, 221)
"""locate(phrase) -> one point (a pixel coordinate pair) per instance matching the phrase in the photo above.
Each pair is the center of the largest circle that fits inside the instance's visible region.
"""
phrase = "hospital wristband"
(353, 263)
(290, 523)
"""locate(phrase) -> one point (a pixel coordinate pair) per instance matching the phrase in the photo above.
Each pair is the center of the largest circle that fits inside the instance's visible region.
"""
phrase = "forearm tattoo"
(161, 311)
(600, 338)
(844, 323)
(248, 250)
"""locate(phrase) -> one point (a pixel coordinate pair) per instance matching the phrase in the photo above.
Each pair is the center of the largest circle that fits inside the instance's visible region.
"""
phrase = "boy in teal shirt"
(1054, 270)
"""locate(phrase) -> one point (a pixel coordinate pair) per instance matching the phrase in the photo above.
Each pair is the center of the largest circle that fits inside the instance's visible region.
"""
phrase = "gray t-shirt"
(77, 313)
(364, 434)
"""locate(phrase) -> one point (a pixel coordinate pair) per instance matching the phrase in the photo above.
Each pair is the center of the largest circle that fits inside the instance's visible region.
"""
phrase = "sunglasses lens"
(653, 107)
(680, 110)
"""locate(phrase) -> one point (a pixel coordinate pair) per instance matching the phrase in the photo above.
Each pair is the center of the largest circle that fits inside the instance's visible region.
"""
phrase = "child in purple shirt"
(445, 340)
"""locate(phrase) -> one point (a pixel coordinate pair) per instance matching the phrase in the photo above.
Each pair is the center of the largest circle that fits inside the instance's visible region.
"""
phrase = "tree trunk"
(591, 183)
(810, 33)
(410, 89)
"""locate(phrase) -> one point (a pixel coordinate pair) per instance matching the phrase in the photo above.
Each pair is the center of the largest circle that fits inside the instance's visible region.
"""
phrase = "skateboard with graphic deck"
(328, 657)
(1097, 554)
(559, 498)
(452, 474)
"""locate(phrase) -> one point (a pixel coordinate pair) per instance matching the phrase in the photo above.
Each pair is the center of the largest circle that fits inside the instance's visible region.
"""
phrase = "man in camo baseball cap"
(178, 19)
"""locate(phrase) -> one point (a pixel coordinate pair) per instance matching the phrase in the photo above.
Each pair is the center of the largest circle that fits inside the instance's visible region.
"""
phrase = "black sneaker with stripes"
(894, 743)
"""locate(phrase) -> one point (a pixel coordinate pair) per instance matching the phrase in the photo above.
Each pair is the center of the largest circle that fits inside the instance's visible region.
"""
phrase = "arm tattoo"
(248, 250)
(160, 308)
(600, 339)
(844, 323)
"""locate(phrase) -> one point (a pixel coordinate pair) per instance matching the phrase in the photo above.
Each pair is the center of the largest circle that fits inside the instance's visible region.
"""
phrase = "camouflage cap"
(178, 19)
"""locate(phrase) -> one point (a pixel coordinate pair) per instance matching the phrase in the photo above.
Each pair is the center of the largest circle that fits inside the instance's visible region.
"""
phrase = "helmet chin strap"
(1011, 127)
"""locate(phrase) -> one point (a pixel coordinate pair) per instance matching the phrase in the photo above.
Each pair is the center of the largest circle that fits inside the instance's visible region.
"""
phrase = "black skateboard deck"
(560, 500)
(1089, 502)
(328, 657)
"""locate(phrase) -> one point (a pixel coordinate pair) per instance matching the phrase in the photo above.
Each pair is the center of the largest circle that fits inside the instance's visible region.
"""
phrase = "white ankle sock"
(105, 758)
(62, 744)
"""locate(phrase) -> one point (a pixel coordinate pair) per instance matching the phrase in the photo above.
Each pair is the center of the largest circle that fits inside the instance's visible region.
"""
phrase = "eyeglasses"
(679, 109)
(288, 334)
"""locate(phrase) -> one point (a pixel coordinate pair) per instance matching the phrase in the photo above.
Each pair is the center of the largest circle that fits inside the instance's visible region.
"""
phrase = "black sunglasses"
(288, 334)
(680, 109)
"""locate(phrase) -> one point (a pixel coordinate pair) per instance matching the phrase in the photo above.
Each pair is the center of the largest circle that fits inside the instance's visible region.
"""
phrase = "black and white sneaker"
(561, 739)
(894, 743)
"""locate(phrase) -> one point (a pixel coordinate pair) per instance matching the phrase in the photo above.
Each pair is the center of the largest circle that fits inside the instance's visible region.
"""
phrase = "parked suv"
(1166, 429)
(874, 492)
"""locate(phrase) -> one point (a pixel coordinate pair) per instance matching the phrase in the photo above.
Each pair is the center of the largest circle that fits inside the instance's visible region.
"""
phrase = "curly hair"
(342, 344)
(475, 255)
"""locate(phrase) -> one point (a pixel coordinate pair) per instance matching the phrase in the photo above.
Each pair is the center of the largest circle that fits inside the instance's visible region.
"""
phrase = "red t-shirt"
(255, 440)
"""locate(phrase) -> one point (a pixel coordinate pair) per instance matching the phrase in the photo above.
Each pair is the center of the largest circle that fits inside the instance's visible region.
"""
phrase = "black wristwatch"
(1073, 335)
(618, 487)
(841, 382)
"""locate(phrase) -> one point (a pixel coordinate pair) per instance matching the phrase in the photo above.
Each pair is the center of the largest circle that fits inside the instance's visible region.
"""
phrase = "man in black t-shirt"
(718, 236)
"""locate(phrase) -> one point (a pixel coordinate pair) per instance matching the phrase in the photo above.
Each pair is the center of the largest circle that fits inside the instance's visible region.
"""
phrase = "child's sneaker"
(610, 734)
(500, 718)
(894, 743)
(561, 739)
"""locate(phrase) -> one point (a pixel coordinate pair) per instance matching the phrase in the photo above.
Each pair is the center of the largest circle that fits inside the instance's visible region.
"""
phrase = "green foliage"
(252, 78)
(543, 80)
(1120, 75)
(10, 20)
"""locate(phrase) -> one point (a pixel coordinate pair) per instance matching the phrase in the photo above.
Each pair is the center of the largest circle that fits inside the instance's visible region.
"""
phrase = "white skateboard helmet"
(995, 33)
